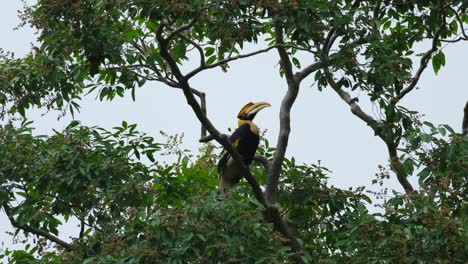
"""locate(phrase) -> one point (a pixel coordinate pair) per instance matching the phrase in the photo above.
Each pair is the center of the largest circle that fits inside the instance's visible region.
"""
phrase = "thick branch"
(284, 57)
(203, 109)
(282, 143)
(33, 230)
(82, 228)
(285, 119)
(328, 41)
(184, 85)
(208, 138)
(272, 210)
(345, 96)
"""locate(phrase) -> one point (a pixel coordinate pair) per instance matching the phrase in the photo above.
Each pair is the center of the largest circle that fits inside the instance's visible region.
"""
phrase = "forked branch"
(272, 211)
(285, 117)
(425, 58)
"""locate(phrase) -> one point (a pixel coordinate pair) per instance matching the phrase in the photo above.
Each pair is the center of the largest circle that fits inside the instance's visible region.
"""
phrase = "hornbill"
(245, 140)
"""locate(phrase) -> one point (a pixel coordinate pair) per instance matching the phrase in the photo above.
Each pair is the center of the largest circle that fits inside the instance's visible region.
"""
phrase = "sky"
(323, 128)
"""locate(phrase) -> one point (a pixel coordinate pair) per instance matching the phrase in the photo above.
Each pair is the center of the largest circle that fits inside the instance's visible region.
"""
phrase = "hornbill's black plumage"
(245, 139)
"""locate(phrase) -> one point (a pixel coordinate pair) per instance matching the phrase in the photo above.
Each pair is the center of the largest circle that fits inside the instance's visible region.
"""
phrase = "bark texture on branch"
(272, 211)
(284, 118)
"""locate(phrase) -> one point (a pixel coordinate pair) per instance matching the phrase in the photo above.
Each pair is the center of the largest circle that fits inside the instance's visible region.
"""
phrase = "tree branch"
(203, 66)
(285, 118)
(395, 162)
(187, 90)
(465, 121)
(272, 211)
(203, 109)
(345, 96)
(299, 76)
(284, 57)
(180, 29)
(460, 22)
(332, 36)
(33, 230)
(264, 161)
(424, 59)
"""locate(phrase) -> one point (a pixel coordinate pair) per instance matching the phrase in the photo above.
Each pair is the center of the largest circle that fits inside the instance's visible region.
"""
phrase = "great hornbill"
(245, 140)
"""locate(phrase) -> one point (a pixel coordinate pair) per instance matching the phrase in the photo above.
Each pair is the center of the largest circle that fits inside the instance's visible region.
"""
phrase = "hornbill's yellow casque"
(245, 140)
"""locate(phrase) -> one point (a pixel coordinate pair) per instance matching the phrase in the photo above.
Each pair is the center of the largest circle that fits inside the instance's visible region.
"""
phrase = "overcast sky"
(323, 128)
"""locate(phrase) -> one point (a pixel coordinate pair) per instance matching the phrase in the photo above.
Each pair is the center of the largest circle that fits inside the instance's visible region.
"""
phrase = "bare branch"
(284, 57)
(203, 109)
(299, 76)
(207, 138)
(354, 106)
(454, 40)
(285, 118)
(33, 230)
(328, 41)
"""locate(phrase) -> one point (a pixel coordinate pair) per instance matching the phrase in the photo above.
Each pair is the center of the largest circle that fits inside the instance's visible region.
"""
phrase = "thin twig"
(460, 22)
(203, 66)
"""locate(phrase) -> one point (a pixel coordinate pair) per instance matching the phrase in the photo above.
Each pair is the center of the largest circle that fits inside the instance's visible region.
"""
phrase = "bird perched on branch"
(245, 140)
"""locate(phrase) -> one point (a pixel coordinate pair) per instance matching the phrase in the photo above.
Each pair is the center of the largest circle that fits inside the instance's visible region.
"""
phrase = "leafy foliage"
(134, 207)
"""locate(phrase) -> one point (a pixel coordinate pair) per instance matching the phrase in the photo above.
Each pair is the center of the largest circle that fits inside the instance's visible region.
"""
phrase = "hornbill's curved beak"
(249, 111)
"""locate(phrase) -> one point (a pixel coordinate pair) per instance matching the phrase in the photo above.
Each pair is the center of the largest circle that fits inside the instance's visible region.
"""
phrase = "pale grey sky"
(323, 128)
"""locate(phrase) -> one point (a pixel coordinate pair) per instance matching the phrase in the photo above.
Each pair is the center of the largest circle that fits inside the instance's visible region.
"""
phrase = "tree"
(135, 209)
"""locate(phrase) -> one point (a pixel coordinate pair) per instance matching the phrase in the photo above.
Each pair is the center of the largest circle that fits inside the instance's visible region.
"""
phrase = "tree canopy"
(133, 208)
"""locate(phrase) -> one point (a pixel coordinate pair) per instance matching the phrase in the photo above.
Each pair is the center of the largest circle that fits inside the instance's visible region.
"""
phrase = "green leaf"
(438, 60)
(296, 63)
(209, 51)
(211, 59)
(73, 124)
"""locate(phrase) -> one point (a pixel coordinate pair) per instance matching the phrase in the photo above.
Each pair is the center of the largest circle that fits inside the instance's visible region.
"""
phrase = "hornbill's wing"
(234, 139)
